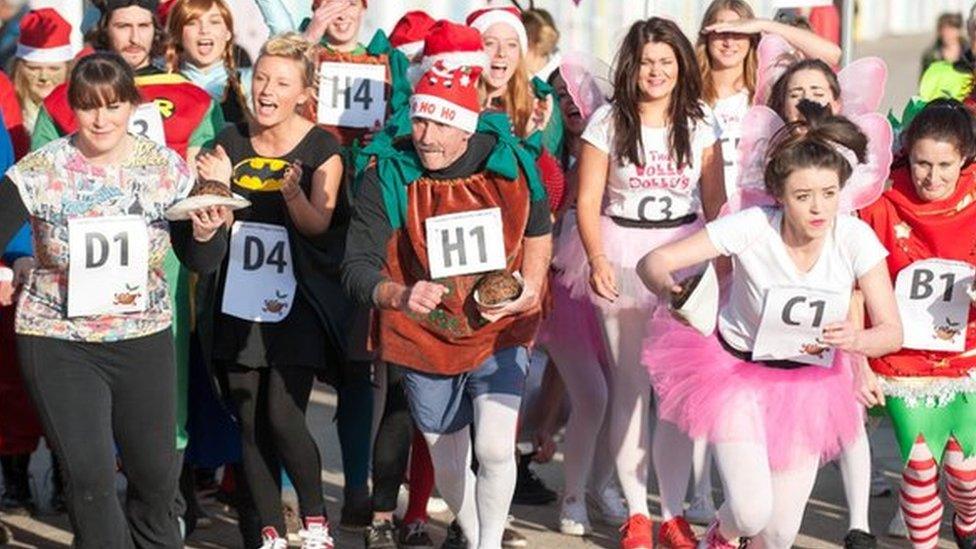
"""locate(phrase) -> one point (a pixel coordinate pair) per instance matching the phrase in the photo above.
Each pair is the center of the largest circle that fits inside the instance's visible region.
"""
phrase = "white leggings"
(630, 391)
(480, 504)
(587, 459)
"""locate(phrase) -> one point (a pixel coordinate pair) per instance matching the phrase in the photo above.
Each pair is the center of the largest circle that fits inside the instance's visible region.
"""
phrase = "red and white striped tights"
(920, 500)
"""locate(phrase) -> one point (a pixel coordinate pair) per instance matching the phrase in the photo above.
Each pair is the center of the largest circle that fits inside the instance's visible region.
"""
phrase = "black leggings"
(94, 398)
(271, 406)
(391, 450)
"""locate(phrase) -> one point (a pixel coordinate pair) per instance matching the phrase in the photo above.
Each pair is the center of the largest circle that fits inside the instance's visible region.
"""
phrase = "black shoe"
(16, 498)
(414, 535)
(455, 537)
(357, 511)
(529, 488)
(963, 542)
(859, 539)
(380, 535)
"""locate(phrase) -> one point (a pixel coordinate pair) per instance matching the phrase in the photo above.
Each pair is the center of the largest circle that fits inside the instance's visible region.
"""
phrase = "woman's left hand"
(207, 221)
(869, 391)
(842, 335)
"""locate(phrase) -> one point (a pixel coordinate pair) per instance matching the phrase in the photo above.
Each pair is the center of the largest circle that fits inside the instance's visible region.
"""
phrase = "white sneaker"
(316, 535)
(436, 506)
(271, 540)
(897, 527)
(701, 511)
(573, 520)
(610, 502)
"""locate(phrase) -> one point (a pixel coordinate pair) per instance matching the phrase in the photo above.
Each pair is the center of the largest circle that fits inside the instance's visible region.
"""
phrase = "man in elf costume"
(431, 219)
(177, 113)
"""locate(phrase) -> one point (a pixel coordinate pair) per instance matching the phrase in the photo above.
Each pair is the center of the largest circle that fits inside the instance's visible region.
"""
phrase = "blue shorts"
(444, 404)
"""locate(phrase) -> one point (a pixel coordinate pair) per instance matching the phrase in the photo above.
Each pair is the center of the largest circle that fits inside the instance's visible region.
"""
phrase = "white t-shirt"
(657, 191)
(729, 113)
(760, 262)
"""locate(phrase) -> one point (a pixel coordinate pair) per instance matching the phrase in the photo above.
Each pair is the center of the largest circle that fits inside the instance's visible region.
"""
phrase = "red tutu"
(711, 394)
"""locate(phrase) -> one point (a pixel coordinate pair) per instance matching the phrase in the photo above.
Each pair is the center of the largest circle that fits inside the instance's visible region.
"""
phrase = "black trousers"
(98, 398)
(391, 450)
(271, 405)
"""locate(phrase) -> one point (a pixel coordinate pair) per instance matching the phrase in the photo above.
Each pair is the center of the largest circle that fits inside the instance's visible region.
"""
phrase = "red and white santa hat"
(410, 31)
(511, 16)
(45, 37)
(448, 96)
(453, 46)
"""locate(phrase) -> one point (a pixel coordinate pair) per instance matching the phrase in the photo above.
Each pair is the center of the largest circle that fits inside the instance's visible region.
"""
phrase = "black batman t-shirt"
(300, 338)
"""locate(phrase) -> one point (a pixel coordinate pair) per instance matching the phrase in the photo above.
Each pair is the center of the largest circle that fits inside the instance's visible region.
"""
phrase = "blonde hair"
(541, 30)
(293, 46)
(22, 82)
(751, 63)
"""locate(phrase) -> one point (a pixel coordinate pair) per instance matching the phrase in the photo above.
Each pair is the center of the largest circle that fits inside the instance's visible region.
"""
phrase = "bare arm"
(313, 214)
(885, 334)
(712, 181)
(593, 165)
(807, 42)
(656, 267)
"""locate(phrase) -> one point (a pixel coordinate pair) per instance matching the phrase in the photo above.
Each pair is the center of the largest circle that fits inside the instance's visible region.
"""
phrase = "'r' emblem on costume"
(165, 106)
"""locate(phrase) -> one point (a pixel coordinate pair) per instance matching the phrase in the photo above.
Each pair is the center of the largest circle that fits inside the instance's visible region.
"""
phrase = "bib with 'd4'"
(260, 285)
(933, 301)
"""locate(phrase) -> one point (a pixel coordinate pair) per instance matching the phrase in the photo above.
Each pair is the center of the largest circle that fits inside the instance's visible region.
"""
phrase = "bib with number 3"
(465, 243)
(260, 284)
(656, 206)
(792, 324)
(934, 304)
(147, 121)
(108, 265)
(352, 95)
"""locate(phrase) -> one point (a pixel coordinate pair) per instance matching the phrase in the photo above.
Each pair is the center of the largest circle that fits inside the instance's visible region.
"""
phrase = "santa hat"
(162, 12)
(45, 37)
(448, 96)
(511, 16)
(410, 31)
(453, 46)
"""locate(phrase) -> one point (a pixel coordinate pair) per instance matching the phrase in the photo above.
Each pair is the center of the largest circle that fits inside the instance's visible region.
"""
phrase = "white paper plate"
(701, 307)
(181, 210)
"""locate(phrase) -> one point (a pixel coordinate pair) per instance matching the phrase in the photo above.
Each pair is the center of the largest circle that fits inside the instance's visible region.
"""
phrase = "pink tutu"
(708, 393)
(572, 325)
(624, 247)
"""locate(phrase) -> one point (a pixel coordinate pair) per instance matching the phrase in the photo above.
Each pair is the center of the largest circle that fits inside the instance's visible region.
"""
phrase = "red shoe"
(636, 533)
(714, 539)
(677, 534)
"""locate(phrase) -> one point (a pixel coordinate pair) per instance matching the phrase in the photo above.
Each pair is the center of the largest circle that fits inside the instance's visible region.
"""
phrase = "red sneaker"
(677, 534)
(636, 533)
(714, 539)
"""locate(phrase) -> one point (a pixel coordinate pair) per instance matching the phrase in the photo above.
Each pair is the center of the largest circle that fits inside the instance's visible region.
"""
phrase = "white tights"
(480, 504)
(586, 455)
(630, 391)
(855, 470)
(760, 504)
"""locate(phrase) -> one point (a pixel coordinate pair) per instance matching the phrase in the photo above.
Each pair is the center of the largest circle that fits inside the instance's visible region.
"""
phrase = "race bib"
(108, 265)
(656, 206)
(147, 121)
(465, 243)
(934, 304)
(352, 95)
(260, 284)
(792, 324)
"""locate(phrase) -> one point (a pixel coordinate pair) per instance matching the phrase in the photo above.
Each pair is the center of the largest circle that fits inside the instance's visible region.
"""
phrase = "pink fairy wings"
(864, 186)
(587, 81)
(775, 56)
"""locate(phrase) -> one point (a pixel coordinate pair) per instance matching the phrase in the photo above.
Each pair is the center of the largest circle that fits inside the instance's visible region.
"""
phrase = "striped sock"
(960, 476)
(919, 497)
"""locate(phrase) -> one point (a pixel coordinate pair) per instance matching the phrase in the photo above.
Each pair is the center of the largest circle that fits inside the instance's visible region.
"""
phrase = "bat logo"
(260, 174)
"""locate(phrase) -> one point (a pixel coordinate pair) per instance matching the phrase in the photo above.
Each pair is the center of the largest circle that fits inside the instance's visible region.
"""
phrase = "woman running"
(649, 170)
(925, 221)
(275, 319)
(751, 390)
(93, 322)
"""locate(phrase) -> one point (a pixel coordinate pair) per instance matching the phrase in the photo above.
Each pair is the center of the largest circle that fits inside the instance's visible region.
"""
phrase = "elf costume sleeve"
(45, 130)
(205, 133)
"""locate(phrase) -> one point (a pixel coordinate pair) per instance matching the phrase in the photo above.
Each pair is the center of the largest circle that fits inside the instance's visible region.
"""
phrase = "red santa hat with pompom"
(45, 37)
(482, 19)
(448, 96)
(453, 46)
(411, 30)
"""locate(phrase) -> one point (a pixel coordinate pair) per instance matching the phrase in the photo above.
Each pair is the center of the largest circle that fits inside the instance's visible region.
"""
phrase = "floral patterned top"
(56, 183)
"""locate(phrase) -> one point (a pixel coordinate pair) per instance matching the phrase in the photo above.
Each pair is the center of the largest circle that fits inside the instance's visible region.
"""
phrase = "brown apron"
(453, 338)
